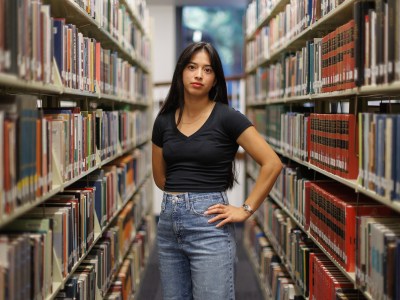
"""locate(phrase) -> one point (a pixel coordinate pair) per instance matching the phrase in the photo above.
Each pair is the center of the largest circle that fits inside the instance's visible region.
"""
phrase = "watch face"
(247, 208)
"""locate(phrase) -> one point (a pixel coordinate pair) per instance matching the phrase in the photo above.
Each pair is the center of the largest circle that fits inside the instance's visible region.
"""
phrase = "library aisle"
(247, 286)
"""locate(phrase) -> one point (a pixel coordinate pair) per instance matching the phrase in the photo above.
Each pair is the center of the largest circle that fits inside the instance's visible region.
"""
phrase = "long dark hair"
(175, 97)
(218, 93)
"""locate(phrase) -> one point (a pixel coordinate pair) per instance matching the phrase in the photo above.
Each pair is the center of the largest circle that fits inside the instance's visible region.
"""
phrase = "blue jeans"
(196, 258)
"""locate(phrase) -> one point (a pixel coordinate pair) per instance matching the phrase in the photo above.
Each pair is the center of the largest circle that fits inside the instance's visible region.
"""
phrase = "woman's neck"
(195, 107)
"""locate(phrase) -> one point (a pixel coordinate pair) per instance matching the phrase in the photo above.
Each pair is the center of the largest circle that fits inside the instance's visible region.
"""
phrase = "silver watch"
(247, 208)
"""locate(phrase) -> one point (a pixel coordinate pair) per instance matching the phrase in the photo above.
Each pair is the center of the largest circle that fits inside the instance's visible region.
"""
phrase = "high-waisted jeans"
(196, 258)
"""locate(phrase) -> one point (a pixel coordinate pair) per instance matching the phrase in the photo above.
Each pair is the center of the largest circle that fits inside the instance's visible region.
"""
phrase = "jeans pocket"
(200, 206)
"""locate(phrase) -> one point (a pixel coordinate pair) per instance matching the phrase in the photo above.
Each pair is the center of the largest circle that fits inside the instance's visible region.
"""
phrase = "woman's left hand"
(227, 213)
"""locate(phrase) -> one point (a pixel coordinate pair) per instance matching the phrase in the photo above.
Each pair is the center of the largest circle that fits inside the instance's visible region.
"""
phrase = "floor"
(247, 287)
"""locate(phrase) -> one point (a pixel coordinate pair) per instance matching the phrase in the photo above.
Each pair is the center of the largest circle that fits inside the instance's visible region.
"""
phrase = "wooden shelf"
(384, 89)
(12, 82)
(9, 81)
(308, 98)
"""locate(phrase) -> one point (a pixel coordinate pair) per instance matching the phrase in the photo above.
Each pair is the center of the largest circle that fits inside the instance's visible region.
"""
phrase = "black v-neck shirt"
(202, 161)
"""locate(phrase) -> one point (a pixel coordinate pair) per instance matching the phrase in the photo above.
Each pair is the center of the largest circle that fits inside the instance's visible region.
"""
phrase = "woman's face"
(198, 76)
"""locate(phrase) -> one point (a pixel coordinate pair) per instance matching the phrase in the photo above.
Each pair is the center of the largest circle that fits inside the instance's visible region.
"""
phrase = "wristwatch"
(247, 208)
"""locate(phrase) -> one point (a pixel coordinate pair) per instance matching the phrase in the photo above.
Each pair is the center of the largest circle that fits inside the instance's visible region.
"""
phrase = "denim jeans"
(196, 258)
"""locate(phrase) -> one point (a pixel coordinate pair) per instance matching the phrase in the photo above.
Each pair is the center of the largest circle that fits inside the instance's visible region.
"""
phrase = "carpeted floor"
(247, 287)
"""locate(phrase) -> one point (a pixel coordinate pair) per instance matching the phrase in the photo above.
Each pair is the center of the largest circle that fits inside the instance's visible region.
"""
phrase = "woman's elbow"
(276, 166)
(159, 181)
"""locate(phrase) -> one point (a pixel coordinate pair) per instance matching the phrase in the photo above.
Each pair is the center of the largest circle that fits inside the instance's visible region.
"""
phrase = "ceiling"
(240, 3)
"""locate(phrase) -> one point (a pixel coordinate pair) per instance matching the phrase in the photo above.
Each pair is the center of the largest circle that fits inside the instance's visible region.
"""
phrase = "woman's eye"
(191, 67)
(208, 70)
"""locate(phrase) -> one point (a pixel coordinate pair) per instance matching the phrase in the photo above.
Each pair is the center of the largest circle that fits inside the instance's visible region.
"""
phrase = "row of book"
(328, 141)
(379, 161)
(63, 230)
(293, 247)
(336, 217)
(378, 256)
(85, 65)
(377, 52)
(43, 148)
(116, 18)
(93, 278)
(328, 211)
(327, 282)
(292, 190)
(309, 279)
(306, 12)
(110, 14)
(325, 64)
(363, 146)
(274, 277)
(357, 53)
(332, 143)
(25, 52)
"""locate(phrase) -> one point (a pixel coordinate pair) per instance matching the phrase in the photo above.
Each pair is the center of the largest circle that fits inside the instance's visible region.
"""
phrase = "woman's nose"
(199, 73)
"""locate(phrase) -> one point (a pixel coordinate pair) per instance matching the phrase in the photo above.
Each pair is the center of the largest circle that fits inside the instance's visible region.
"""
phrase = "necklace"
(198, 118)
(201, 115)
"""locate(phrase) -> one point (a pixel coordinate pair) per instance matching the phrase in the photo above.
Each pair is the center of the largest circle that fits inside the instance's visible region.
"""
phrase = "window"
(223, 27)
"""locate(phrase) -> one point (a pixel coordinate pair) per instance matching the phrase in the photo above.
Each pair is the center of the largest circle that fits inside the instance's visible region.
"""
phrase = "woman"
(195, 138)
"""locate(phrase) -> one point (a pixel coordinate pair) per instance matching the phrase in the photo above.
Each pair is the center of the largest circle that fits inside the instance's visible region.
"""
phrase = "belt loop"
(225, 197)
(187, 200)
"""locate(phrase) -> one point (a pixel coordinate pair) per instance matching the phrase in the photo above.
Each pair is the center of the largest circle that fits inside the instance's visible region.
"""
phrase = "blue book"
(397, 162)
(397, 272)
(380, 153)
(58, 45)
(98, 196)
(390, 157)
(309, 12)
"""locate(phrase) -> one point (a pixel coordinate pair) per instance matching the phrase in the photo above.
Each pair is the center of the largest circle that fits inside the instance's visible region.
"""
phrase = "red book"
(306, 209)
(9, 165)
(334, 59)
(324, 62)
(350, 207)
(351, 57)
(330, 135)
(313, 276)
(339, 58)
(349, 139)
(348, 55)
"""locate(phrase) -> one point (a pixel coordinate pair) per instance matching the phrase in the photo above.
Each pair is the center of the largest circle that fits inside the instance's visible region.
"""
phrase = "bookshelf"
(310, 64)
(75, 113)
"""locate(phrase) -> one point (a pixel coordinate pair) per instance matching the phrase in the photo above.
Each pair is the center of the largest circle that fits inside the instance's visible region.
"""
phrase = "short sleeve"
(235, 123)
(157, 134)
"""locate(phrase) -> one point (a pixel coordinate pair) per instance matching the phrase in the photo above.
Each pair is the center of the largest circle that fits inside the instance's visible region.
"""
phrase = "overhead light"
(197, 35)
